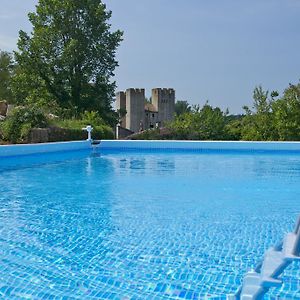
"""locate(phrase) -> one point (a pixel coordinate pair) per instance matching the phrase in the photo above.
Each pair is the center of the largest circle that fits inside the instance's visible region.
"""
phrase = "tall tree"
(182, 107)
(70, 54)
(201, 123)
(258, 124)
(287, 114)
(6, 73)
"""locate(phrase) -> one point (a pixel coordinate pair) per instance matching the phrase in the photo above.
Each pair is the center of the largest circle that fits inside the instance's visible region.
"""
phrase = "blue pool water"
(150, 225)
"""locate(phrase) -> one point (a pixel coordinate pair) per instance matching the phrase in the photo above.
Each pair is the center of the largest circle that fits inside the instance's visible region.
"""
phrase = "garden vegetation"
(271, 118)
(61, 76)
(64, 68)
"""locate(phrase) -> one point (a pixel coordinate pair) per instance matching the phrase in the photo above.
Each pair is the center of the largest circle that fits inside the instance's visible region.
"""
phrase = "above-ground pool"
(138, 224)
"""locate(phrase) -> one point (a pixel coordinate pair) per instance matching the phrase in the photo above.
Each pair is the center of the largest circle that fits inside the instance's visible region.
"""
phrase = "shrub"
(74, 126)
(207, 123)
(16, 127)
(152, 134)
(57, 134)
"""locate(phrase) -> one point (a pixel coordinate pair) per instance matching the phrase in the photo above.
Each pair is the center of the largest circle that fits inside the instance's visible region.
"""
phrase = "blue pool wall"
(29, 149)
(202, 145)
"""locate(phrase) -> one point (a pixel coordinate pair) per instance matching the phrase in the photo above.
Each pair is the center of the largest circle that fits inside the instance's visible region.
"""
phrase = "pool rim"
(29, 149)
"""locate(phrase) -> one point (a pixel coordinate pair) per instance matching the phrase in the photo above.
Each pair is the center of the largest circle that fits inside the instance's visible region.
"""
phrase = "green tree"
(258, 124)
(21, 120)
(182, 107)
(233, 127)
(70, 56)
(206, 123)
(29, 88)
(287, 114)
(6, 73)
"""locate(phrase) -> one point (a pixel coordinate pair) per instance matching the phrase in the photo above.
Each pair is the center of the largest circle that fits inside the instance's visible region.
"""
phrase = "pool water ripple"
(144, 225)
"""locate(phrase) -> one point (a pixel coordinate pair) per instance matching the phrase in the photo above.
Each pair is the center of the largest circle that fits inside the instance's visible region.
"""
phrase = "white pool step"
(257, 282)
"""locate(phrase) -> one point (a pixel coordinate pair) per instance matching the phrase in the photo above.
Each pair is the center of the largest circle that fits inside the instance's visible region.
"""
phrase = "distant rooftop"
(150, 107)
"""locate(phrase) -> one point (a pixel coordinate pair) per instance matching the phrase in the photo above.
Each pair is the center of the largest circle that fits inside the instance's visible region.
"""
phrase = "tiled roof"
(150, 107)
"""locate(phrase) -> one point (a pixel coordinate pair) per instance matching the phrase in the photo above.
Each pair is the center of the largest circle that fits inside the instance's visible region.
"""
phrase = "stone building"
(141, 115)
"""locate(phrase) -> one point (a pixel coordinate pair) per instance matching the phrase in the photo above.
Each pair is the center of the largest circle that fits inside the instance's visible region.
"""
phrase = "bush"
(74, 126)
(57, 134)
(207, 123)
(16, 127)
(150, 134)
(233, 128)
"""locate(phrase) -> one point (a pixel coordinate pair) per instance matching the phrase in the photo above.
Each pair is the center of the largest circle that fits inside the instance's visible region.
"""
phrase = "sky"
(213, 50)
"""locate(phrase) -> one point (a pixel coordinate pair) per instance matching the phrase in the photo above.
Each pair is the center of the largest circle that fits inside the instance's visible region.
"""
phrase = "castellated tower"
(164, 102)
(135, 106)
(142, 116)
(121, 104)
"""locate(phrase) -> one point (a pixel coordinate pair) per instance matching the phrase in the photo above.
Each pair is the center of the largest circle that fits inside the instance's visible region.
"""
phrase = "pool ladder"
(257, 282)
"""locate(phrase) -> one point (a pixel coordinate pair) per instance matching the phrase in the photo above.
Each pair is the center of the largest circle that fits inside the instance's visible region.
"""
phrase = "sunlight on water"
(143, 225)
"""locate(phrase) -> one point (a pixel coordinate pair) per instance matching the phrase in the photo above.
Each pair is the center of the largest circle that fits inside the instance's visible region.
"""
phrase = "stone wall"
(151, 119)
(164, 102)
(123, 132)
(39, 135)
(3, 108)
(56, 134)
(135, 100)
(140, 115)
(121, 104)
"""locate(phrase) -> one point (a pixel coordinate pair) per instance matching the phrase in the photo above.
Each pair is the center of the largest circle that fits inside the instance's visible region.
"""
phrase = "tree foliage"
(270, 118)
(6, 72)
(200, 124)
(19, 123)
(258, 124)
(69, 58)
(287, 114)
(182, 107)
(233, 127)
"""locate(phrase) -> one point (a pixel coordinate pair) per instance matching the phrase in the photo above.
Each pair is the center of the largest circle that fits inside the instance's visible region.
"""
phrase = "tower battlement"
(135, 107)
(163, 99)
(164, 91)
(136, 91)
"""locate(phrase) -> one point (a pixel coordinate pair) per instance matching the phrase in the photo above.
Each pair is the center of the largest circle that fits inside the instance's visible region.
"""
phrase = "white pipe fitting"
(89, 130)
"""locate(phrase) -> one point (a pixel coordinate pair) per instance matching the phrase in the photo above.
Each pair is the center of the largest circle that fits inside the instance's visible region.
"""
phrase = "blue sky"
(212, 50)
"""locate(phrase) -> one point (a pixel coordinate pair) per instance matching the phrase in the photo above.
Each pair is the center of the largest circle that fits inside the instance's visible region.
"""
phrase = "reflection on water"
(143, 225)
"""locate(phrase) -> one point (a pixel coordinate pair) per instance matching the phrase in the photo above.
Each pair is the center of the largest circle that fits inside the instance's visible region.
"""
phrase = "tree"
(6, 73)
(258, 124)
(206, 123)
(69, 57)
(182, 107)
(233, 127)
(29, 88)
(287, 114)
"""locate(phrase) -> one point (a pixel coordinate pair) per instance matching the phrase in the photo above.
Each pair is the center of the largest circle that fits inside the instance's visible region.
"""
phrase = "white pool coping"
(201, 145)
(27, 149)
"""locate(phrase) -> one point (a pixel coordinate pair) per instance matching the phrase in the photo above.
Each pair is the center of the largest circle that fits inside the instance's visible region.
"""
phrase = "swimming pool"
(117, 224)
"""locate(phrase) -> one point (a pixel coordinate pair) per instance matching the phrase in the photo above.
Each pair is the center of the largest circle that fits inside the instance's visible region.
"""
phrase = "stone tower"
(121, 104)
(135, 106)
(164, 102)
